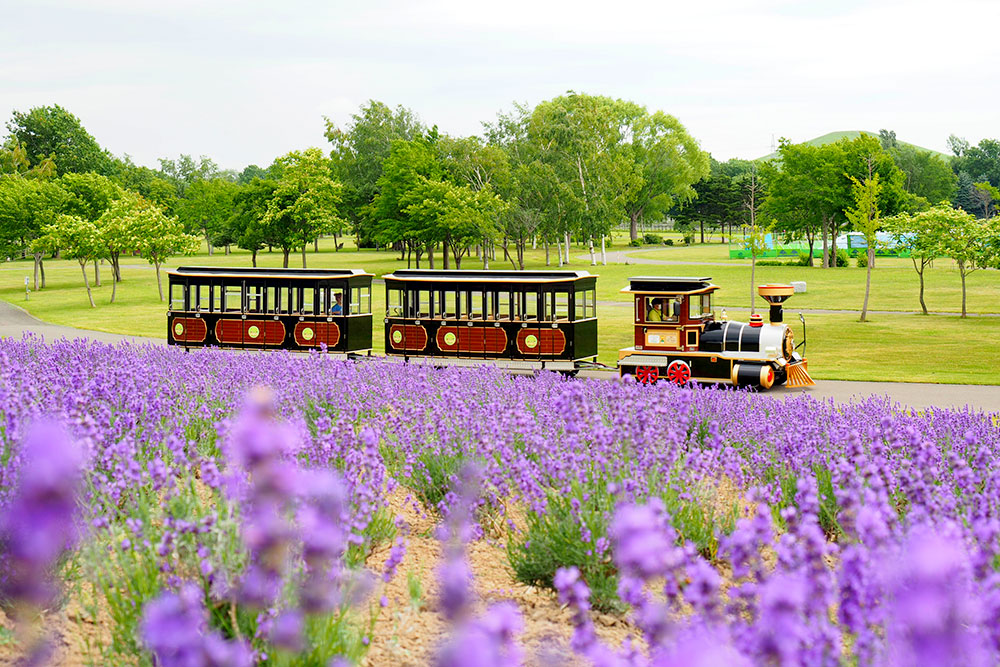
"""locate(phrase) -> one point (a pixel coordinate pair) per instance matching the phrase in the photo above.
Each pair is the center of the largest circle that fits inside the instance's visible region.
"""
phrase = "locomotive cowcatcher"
(677, 338)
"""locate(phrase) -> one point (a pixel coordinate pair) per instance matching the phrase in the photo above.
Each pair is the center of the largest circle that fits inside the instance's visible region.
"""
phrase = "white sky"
(245, 81)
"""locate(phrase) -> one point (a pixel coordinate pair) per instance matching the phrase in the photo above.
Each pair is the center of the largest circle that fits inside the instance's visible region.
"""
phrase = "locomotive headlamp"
(775, 295)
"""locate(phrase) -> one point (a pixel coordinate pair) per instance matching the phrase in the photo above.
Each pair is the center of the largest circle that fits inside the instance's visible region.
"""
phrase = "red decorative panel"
(250, 332)
(541, 341)
(407, 337)
(480, 340)
(311, 334)
(188, 329)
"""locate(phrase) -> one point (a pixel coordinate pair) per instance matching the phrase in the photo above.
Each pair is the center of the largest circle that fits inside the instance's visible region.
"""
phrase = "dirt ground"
(407, 634)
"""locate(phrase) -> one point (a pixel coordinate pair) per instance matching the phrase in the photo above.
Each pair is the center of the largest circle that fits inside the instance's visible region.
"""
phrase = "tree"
(866, 218)
(149, 183)
(669, 162)
(409, 166)
(583, 138)
(90, 195)
(206, 208)
(965, 194)
(118, 231)
(453, 214)
(159, 237)
(27, 207)
(304, 203)
(76, 238)
(246, 223)
(184, 171)
(359, 152)
(717, 203)
(986, 196)
(971, 242)
(982, 161)
(52, 132)
(14, 160)
(928, 175)
(921, 233)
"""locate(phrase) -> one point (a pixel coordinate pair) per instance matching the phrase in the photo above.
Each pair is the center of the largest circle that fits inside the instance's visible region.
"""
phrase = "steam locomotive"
(523, 320)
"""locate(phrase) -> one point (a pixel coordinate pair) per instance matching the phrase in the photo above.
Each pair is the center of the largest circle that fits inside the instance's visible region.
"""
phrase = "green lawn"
(897, 346)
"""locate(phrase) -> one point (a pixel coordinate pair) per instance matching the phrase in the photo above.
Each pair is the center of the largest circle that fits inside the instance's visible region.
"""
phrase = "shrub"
(668, 242)
(635, 243)
(652, 239)
(843, 259)
(862, 260)
(803, 260)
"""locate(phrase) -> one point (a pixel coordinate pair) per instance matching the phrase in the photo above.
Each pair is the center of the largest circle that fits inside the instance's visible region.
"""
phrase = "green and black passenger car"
(292, 309)
(526, 320)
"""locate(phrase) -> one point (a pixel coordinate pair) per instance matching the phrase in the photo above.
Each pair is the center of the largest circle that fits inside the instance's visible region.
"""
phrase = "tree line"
(567, 170)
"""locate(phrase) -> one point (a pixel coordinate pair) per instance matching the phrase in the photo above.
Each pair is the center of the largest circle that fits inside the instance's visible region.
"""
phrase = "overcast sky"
(244, 81)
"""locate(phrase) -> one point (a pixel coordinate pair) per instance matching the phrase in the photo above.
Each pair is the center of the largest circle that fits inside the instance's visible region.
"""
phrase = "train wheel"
(647, 374)
(679, 372)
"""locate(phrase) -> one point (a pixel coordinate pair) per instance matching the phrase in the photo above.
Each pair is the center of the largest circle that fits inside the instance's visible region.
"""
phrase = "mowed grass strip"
(894, 347)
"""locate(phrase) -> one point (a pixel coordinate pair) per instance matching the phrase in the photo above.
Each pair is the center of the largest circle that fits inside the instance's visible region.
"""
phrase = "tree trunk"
(336, 243)
(227, 249)
(604, 252)
(97, 273)
(41, 268)
(590, 243)
(159, 283)
(702, 222)
(920, 272)
(253, 258)
(548, 262)
(409, 254)
(559, 250)
(285, 252)
(430, 254)
(114, 289)
(868, 283)
(833, 246)
(316, 244)
(753, 272)
(826, 249)
(633, 225)
(567, 246)
(38, 267)
(211, 250)
(444, 252)
(116, 266)
(961, 271)
(304, 244)
(83, 269)
(506, 254)
(811, 240)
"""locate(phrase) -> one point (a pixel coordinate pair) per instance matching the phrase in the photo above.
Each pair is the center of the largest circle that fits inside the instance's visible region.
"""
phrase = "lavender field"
(219, 508)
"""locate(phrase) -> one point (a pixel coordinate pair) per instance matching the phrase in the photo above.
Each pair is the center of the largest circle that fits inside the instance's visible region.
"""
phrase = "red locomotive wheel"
(678, 372)
(647, 374)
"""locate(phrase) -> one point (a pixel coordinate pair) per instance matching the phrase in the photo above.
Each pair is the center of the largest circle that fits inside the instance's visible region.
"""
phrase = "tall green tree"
(90, 195)
(717, 203)
(27, 207)
(53, 132)
(922, 234)
(76, 238)
(159, 237)
(971, 242)
(118, 231)
(669, 162)
(583, 138)
(410, 164)
(981, 162)
(246, 222)
(206, 208)
(359, 151)
(866, 218)
(304, 203)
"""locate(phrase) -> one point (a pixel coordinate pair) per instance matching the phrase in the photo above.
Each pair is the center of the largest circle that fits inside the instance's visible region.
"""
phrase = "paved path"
(15, 322)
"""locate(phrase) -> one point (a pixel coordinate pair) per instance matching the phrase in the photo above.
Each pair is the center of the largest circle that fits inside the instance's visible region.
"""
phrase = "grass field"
(896, 346)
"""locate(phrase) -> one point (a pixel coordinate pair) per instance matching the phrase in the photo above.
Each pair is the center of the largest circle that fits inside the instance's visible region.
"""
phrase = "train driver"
(657, 310)
(338, 305)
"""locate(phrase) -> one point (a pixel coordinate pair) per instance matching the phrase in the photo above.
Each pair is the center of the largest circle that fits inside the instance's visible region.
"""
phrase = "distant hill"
(832, 137)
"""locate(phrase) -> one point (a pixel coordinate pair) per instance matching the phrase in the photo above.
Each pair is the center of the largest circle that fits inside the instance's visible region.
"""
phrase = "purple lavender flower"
(37, 526)
(485, 642)
(174, 628)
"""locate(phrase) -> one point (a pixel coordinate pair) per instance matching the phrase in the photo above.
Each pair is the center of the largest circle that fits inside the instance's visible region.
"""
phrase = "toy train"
(523, 320)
